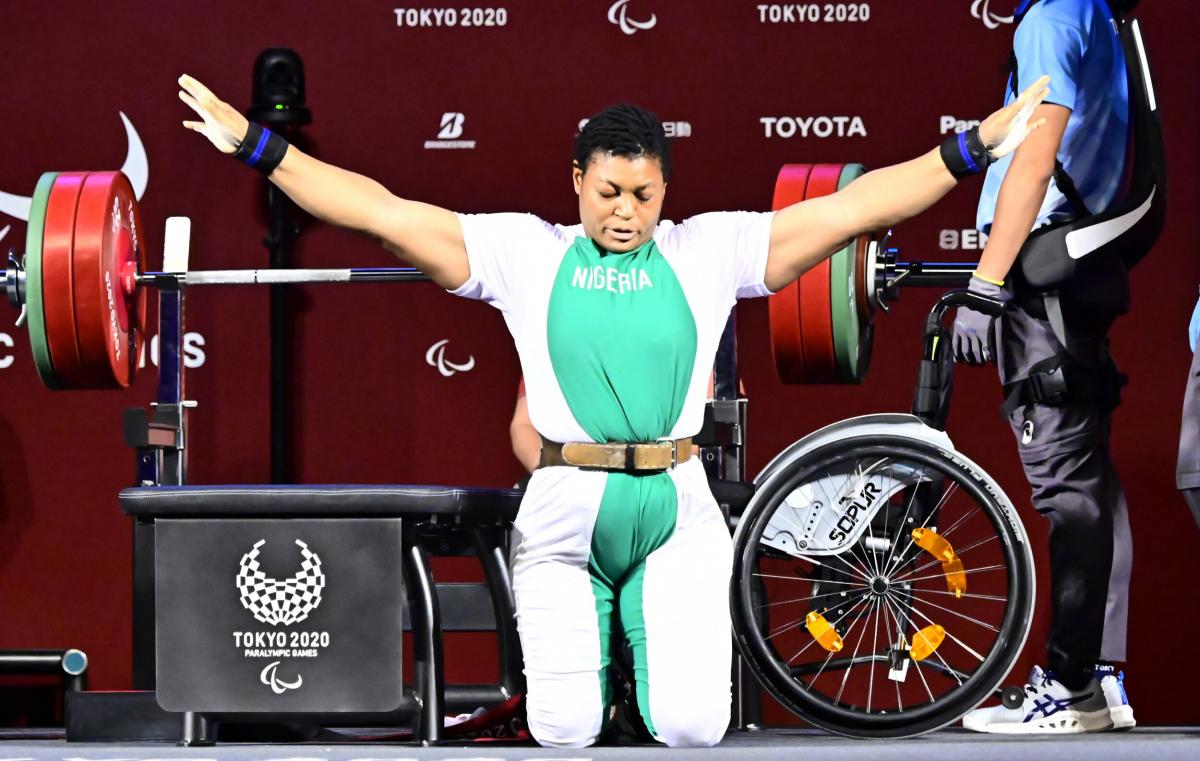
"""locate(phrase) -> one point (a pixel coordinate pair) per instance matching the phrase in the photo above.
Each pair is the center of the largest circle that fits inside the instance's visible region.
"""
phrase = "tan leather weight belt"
(660, 455)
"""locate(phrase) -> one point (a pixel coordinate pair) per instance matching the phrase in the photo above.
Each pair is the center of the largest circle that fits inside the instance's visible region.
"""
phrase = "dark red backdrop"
(369, 407)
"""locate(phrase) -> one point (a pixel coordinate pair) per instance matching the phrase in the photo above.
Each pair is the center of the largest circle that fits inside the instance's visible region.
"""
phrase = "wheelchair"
(883, 583)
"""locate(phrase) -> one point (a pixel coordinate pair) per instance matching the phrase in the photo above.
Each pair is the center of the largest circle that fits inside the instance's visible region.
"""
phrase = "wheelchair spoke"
(798, 599)
(871, 670)
(961, 615)
(893, 607)
(949, 634)
(947, 666)
(859, 483)
(935, 652)
(895, 644)
(948, 672)
(862, 599)
(786, 627)
(853, 569)
(849, 631)
(800, 621)
(808, 580)
(971, 595)
(903, 521)
(960, 521)
(936, 510)
(981, 569)
(865, 572)
(935, 561)
(924, 682)
(846, 675)
(886, 535)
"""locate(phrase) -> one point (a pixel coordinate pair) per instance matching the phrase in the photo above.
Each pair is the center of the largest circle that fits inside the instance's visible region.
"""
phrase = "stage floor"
(1152, 743)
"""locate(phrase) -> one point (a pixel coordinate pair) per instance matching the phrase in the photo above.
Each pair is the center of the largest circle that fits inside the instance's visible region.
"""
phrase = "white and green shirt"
(616, 347)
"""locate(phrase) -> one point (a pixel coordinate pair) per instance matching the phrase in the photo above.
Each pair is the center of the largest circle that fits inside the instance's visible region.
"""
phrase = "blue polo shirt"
(1075, 42)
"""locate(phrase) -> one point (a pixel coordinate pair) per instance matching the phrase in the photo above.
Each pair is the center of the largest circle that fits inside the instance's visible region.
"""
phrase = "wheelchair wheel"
(883, 585)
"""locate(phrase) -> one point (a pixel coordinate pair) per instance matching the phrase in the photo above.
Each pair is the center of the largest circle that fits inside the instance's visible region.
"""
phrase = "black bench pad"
(324, 500)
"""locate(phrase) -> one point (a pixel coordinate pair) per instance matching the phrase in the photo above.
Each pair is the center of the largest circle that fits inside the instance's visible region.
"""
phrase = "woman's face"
(620, 199)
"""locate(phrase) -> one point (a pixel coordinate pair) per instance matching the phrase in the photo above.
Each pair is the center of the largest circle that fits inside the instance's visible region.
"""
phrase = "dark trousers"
(1064, 450)
(1187, 470)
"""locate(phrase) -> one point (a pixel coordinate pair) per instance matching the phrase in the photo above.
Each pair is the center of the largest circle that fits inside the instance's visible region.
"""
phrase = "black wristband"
(261, 148)
(965, 154)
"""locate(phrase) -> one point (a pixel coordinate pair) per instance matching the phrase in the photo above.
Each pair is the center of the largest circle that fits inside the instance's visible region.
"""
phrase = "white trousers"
(675, 600)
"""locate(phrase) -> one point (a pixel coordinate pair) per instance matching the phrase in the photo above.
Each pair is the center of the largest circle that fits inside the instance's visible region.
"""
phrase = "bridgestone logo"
(968, 239)
(451, 130)
(813, 126)
(461, 17)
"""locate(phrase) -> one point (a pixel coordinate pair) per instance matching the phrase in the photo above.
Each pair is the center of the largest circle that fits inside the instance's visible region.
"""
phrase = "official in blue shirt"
(1075, 43)
(1061, 387)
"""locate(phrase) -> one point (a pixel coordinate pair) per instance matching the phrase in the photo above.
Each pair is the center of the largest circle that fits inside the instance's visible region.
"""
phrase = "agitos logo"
(618, 13)
(436, 357)
(990, 19)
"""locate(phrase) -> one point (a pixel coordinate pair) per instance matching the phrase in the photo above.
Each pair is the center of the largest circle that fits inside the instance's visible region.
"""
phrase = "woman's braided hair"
(624, 130)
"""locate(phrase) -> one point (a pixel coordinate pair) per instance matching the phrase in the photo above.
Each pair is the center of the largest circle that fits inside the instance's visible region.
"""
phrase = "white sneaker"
(1112, 683)
(1048, 708)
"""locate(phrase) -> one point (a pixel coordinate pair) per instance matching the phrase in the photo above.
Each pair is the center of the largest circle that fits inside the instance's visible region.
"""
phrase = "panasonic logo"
(672, 129)
(948, 124)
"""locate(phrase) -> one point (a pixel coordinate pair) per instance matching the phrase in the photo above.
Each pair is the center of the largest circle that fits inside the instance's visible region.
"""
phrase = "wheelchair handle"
(935, 375)
(951, 300)
(964, 298)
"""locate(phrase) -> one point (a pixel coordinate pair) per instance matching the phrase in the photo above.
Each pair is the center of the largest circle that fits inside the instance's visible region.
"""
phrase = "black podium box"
(278, 615)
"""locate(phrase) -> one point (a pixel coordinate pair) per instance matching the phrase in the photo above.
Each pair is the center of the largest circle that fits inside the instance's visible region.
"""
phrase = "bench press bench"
(215, 601)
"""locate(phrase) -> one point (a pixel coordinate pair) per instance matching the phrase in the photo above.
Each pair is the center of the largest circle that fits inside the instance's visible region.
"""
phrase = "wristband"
(965, 154)
(261, 148)
(987, 279)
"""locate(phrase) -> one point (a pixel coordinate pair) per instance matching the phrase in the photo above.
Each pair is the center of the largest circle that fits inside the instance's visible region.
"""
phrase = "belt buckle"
(674, 449)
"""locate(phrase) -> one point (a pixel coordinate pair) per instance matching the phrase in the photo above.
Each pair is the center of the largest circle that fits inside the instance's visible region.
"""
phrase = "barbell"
(82, 283)
(823, 324)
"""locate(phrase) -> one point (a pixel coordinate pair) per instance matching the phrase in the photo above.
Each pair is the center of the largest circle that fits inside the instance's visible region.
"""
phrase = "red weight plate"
(107, 247)
(816, 320)
(58, 285)
(783, 307)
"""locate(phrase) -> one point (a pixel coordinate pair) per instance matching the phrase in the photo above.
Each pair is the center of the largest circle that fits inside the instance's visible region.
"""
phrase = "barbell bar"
(173, 280)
